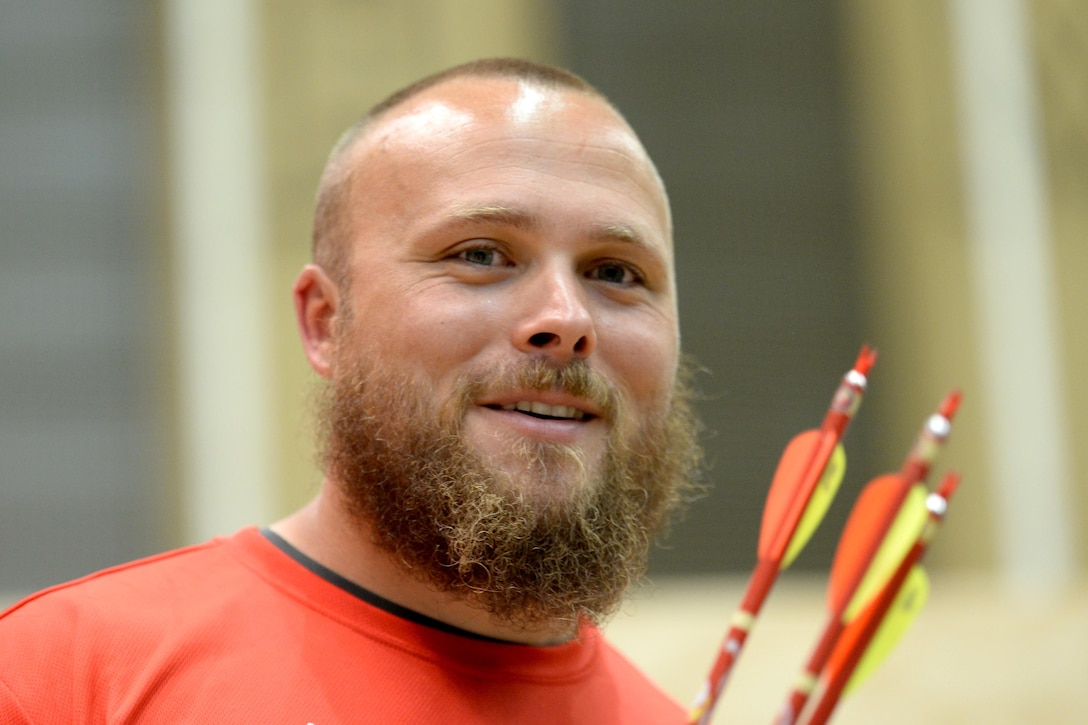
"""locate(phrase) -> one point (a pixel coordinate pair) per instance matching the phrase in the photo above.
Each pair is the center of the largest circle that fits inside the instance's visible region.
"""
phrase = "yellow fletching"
(901, 536)
(818, 503)
(908, 603)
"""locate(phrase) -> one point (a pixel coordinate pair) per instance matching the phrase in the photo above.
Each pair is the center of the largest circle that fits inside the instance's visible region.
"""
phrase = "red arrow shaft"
(862, 636)
(843, 406)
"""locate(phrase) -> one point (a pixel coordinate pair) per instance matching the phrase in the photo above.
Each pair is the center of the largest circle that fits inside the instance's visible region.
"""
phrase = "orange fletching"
(868, 522)
(782, 499)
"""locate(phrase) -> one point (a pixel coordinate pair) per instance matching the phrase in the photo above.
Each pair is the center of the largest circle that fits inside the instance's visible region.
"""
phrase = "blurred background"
(912, 175)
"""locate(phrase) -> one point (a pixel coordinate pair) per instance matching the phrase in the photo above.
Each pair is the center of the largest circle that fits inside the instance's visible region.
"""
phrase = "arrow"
(886, 521)
(932, 438)
(804, 484)
(869, 639)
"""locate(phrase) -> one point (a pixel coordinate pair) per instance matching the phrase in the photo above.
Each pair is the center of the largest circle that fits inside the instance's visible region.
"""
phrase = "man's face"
(495, 223)
(504, 415)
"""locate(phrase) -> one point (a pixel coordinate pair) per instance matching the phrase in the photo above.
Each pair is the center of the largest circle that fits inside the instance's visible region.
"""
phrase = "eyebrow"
(525, 220)
(498, 214)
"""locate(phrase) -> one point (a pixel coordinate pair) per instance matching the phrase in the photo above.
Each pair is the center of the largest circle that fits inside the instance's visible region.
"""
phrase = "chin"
(548, 474)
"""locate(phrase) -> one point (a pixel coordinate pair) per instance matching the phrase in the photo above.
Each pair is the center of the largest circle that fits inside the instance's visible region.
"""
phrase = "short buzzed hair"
(330, 236)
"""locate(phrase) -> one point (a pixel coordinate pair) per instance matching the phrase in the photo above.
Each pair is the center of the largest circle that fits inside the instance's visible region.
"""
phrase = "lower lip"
(547, 429)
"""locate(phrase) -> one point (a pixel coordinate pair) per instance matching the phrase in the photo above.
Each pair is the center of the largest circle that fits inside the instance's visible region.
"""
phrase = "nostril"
(543, 339)
(581, 345)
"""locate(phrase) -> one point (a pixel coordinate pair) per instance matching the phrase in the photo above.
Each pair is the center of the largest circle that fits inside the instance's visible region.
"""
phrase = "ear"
(317, 301)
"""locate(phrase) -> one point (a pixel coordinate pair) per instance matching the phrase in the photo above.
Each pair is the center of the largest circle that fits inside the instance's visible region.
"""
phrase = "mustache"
(574, 378)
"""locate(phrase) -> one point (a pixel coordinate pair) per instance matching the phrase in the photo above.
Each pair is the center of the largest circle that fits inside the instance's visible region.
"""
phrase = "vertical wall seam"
(218, 201)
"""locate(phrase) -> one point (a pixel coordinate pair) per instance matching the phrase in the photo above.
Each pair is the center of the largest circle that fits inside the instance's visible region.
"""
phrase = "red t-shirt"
(236, 630)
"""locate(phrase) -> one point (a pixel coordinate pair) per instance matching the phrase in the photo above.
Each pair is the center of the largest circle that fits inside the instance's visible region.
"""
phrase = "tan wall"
(917, 257)
(916, 264)
(1060, 35)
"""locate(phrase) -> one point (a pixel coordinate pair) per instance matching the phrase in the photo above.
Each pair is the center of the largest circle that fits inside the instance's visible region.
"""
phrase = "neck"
(328, 533)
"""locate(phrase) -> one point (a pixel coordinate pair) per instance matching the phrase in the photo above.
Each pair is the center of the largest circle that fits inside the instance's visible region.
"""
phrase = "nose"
(557, 320)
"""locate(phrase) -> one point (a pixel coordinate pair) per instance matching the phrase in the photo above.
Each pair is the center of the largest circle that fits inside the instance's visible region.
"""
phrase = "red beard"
(483, 534)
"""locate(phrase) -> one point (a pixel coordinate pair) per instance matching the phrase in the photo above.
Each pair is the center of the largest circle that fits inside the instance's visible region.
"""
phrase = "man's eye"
(480, 255)
(615, 273)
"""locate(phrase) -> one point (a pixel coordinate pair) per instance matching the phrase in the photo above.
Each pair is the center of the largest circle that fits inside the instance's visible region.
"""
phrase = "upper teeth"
(552, 411)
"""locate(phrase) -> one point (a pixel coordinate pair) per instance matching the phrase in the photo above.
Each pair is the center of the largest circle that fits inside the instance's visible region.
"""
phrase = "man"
(505, 429)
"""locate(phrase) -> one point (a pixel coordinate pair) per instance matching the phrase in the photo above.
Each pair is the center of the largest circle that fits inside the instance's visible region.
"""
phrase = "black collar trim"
(368, 596)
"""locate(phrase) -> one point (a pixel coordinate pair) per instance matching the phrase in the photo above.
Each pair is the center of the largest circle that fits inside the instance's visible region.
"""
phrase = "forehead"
(500, 104)
(465, 124)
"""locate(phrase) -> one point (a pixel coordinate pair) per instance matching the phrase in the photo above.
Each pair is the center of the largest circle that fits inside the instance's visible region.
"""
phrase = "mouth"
(544, 411)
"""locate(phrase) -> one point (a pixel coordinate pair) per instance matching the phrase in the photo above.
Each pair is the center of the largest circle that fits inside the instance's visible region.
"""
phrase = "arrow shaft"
(832, 690)
(930, 440)
(759, 586)
(916, 468)
(804, 686)
(833, 687)
(843, 406)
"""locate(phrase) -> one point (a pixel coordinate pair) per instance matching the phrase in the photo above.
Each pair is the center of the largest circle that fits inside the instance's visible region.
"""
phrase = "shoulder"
(115, 603)
(111, 591)
(90, 633)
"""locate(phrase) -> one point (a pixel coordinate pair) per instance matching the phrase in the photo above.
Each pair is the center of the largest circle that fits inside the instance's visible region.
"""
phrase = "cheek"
(435, 336)
(644, 361)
